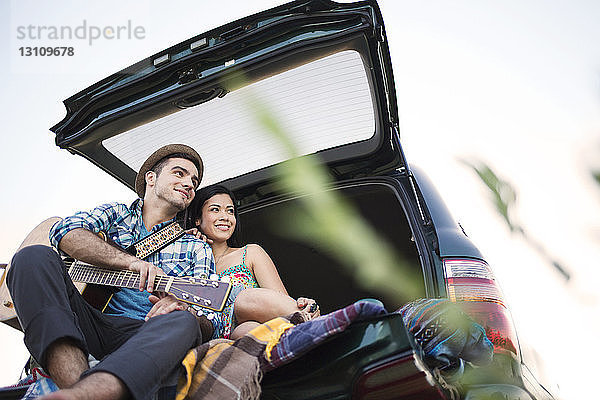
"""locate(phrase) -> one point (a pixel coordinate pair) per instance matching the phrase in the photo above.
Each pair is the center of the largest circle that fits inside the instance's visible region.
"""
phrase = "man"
(140, 340)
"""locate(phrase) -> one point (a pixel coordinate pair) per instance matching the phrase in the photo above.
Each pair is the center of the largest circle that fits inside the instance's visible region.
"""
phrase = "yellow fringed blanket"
(225, 369)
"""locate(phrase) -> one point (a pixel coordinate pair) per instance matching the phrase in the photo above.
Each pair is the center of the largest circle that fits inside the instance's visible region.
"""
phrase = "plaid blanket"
(223, 369)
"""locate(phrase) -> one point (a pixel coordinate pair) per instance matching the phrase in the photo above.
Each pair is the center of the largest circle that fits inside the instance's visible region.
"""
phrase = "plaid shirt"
(186, 256)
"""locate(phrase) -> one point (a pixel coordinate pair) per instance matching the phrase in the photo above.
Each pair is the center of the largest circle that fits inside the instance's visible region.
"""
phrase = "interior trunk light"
(161, 60)
(198, 44)
(471, 284)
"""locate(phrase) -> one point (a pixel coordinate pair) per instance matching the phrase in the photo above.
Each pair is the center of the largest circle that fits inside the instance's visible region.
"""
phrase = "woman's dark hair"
(195, 210)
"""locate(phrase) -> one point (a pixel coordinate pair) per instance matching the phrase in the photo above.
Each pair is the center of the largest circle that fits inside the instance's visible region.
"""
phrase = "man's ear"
(150, 178)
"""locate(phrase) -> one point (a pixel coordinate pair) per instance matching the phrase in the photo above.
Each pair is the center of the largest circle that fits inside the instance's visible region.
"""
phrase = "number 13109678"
(46, 51)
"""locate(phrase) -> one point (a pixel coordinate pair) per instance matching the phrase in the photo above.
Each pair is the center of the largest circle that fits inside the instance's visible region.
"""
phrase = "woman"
(257, 294)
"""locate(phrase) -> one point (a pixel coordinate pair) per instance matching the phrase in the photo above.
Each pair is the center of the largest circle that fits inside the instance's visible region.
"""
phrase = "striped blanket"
(310, 334)
(446, 334)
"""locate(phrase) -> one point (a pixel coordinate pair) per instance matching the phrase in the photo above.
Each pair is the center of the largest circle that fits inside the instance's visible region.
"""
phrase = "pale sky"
(513, 83)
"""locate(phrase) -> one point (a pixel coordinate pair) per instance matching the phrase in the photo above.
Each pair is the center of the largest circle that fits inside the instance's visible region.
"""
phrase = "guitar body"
(95, 295)
(39, 235)
(7, 309)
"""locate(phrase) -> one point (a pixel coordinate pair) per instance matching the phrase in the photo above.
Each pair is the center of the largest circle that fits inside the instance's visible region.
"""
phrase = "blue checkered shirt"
(186, 256)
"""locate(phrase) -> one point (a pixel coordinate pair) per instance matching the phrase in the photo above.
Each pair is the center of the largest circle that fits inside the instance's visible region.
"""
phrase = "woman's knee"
(243, 329)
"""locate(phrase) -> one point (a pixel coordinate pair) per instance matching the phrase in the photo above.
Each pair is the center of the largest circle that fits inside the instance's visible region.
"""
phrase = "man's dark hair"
(195, 211)
(161, 163)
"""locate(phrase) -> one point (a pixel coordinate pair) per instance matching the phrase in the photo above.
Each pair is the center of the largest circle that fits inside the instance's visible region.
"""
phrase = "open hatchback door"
(322, 69)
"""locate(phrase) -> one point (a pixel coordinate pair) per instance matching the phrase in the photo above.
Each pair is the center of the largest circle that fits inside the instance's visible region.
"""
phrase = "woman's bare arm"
(267, 277)
(264, 269)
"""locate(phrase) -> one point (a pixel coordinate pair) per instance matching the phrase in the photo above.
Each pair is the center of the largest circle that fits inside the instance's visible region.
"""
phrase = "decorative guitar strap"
(156, 241)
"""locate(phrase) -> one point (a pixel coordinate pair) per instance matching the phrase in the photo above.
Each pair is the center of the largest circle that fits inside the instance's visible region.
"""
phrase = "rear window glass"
(321, 105)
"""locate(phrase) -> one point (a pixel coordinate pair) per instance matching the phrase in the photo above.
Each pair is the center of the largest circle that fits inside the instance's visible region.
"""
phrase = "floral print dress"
(241, 277)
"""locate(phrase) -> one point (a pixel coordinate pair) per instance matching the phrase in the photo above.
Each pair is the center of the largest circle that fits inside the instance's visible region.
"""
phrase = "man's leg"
(38, 286)
(98, 386)
(154, 352)
(61, 329)
(65, 362)
(50, 309)
(139, 367)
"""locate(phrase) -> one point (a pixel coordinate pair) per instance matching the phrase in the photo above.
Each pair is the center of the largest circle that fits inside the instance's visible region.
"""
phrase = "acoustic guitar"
(95, 283)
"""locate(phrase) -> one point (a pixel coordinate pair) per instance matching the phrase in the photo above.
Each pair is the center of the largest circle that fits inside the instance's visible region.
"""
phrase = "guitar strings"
(83, 268)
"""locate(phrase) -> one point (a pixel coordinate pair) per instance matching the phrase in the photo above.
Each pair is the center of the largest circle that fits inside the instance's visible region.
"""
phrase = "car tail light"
(405, 377)
(471, 284)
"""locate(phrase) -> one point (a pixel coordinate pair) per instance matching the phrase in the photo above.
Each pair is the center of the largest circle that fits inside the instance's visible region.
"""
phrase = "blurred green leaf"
(596, 175)
(329, 222)
(504, 197)
(503, 194)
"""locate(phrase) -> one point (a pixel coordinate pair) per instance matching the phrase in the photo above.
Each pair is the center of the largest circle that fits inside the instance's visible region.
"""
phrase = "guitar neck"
(198, 291)
(86, 273)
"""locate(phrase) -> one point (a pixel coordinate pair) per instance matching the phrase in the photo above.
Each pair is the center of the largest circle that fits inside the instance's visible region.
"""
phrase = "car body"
(324, 69)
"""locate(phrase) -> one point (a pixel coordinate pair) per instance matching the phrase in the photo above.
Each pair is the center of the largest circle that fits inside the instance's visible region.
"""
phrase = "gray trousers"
(49, 307)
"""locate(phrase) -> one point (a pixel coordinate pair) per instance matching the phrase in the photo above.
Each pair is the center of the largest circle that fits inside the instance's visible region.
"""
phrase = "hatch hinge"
(411, 179)
(395, 141)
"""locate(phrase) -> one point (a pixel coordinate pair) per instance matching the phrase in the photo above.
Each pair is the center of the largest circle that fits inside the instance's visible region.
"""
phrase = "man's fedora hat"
(140, 180)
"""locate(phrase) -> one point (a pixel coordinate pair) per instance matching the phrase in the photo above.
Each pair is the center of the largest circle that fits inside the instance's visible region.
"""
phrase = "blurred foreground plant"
(504, 197)
(328, 222)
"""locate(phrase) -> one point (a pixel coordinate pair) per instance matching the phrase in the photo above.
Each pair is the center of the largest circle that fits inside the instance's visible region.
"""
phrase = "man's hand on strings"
(148, 273)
